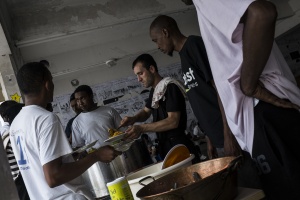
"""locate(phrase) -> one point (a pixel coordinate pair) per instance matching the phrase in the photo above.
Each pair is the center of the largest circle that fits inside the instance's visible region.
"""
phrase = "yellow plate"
(177, 154)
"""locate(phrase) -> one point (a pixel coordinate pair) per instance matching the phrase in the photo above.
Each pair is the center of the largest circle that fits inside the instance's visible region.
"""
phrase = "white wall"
(103, 73)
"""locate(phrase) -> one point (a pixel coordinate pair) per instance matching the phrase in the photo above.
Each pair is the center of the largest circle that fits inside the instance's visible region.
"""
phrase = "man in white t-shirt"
(40, 145)
(94, 121)
(256, 87)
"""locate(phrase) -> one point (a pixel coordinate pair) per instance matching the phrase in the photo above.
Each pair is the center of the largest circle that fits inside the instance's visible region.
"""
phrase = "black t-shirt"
(197, 78)
(173, 101)
(68, 130)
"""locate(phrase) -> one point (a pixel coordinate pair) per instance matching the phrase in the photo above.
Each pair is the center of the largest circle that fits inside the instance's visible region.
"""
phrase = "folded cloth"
(161, 88)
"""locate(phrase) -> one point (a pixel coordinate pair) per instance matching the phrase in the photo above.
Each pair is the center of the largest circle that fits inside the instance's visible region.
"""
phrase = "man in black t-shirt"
(202, 94)
(166, 103)
(199, 84)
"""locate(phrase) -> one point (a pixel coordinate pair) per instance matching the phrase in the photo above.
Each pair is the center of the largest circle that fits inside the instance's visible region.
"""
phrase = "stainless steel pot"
(214, 179)
(99, 174)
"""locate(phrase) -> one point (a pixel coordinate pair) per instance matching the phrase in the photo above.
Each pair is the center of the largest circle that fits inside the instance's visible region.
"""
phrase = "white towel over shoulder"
(161, 88)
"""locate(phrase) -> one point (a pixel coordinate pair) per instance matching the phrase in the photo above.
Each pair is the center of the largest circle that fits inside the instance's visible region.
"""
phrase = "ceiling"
(79, 34)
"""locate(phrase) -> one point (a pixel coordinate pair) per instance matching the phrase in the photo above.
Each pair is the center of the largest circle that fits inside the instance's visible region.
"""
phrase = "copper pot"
(213, 179)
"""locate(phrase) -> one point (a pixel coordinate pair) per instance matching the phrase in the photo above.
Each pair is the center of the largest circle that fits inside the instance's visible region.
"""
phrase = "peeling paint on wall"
(37, 17)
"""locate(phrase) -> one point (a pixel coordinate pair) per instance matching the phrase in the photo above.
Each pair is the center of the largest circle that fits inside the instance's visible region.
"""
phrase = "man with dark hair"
(3, 107)
(166, 103)
(256, 87)
(77, 110)
(40, 145)
(145, 60)
(199, 84)
(202, 94)
(94, 121)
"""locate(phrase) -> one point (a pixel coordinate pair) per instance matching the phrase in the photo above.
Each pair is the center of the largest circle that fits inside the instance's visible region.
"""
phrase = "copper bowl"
(213, 179)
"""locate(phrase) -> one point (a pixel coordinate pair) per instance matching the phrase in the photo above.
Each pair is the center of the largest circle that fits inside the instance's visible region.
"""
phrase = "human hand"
(231, 146)
(265, 95)
(133, 132)
(106, 154)
(211, 150)
(127, 121)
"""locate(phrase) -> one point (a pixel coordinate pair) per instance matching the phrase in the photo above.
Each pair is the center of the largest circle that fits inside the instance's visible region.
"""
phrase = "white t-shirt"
(222, 35)
(90, 126)
(37, 137)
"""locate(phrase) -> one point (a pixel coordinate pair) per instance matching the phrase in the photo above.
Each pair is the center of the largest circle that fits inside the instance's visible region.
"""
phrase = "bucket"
(154, 171)
(99, 174)
(119, 189)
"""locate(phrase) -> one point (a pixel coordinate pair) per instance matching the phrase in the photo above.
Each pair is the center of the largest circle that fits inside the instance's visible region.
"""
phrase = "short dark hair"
(84, 88)
(164, 21)
(13, 111)
(5, 105)
(31, 77)
(147, 60)
(72, 97)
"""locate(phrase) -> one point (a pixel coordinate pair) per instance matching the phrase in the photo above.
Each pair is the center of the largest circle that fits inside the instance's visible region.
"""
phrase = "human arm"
(258, 36)
(211, 150)
(56, 172)
(170, 110)
(171, 122)
(231, 146)
(141, 116)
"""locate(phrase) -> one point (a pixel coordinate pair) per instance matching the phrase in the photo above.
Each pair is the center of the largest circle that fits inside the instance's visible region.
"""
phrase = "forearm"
(226, 128)
(258, 36)
(160, 126)
(231, 147)
(141, 116)
(69, 171)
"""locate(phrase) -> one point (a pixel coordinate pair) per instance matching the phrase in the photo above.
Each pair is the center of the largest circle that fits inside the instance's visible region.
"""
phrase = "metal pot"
(214, 179)
(99, 174)
(154, 171)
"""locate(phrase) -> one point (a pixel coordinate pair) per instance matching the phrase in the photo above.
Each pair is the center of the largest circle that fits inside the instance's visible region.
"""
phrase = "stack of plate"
(118, 143)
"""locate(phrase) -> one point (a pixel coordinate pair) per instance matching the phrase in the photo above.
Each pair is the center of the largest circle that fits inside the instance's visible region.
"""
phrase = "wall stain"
(33, 18)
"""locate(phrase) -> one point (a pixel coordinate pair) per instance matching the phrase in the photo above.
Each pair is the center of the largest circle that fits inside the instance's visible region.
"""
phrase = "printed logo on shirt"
(189, 79)
(21, 155)
(262, 164)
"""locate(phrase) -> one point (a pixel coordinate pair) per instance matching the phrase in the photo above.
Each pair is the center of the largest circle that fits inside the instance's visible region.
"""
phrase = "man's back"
(37, 138)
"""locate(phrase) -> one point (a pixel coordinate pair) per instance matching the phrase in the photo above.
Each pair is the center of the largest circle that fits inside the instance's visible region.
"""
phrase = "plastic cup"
(119, 189)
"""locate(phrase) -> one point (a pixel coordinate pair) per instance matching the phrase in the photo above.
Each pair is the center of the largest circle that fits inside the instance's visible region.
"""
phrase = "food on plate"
(113, 132)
